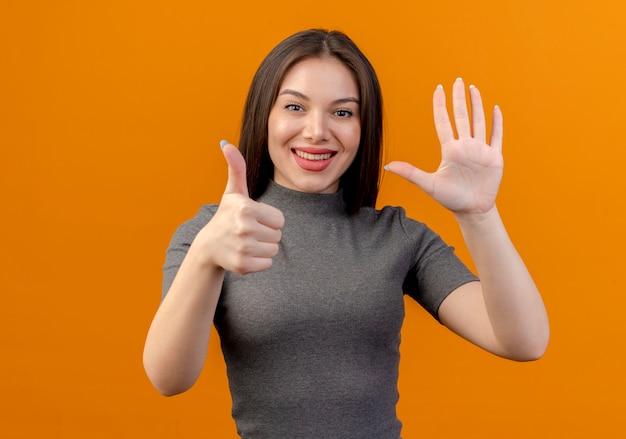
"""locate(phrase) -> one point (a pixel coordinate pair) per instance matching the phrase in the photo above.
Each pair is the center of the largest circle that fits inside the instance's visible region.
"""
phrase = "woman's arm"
(242, 237)
(177, 341)
(504, 312)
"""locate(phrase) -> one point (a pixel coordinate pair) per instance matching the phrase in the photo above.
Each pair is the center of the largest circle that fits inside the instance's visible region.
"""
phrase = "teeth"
(306, 155)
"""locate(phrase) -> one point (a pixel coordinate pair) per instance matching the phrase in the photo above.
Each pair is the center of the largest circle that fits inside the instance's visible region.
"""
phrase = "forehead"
(321, 76)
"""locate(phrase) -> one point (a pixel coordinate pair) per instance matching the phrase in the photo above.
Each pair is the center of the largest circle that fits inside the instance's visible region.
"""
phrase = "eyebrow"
(295, 93)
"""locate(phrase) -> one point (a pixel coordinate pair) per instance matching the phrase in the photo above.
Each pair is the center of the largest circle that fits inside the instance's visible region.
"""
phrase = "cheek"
(353, 136)
(271, 125)
(278, 129)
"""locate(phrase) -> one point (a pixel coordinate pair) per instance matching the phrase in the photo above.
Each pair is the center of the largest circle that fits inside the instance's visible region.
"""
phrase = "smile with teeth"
(314, 157)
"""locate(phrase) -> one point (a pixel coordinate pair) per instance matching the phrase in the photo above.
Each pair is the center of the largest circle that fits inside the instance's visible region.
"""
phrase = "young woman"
(304, 278)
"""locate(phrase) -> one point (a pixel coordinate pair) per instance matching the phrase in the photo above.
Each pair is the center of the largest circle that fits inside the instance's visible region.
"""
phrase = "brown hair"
(360, 182)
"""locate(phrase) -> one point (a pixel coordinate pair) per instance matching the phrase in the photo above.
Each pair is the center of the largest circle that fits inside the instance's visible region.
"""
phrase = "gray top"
(312, 344)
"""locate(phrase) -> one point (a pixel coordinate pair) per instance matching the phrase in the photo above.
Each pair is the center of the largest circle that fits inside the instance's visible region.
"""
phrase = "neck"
(291, 201)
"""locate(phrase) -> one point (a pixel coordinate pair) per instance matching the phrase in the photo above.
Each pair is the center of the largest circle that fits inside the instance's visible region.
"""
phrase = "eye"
(343, 113)
(293, 107)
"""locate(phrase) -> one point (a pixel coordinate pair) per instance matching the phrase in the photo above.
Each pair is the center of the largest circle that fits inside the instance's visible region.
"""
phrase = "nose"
(316, 128)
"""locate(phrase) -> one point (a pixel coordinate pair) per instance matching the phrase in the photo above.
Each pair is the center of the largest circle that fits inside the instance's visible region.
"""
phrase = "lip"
(313, 165)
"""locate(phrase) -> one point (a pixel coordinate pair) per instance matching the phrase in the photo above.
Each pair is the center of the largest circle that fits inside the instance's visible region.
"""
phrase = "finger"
(423, 180)
(270, 216)
(440, 114)
(268, 235)
(264, 250)
(497, 128)
(479, 129)
(253, 265)
(459, 109)
(237, 183)
(252, 257)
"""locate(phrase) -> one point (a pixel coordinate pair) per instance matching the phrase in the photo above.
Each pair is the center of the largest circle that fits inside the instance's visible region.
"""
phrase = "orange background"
(110, 118)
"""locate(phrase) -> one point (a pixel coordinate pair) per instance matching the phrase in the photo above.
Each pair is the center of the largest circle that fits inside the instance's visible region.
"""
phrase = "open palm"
(469, 175)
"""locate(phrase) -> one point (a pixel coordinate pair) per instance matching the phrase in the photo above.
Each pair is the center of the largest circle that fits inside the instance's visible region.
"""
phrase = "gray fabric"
(312, 344)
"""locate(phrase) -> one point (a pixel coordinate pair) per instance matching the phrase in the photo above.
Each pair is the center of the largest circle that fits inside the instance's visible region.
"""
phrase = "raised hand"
(469, 175)
(243, 235)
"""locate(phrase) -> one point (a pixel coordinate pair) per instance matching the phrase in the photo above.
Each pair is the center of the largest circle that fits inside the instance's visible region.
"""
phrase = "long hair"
(361, 180)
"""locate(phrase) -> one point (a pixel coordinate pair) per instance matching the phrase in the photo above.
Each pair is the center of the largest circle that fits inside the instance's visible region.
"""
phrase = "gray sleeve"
(180, 242)
(436, 270)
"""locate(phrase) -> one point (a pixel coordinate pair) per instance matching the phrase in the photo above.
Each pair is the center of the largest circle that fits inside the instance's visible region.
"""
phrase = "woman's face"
(314, 127)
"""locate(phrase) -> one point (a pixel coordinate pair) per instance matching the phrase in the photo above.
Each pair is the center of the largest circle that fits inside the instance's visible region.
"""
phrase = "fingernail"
(471, 86)
(496, 107)
(223, 143)
(439, 86)
(386, 168)
(459, 79)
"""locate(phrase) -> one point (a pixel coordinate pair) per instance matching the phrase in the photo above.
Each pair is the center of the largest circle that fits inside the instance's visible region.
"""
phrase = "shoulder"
(190, 228)
(404, 230)
(390, 227)
(394, 217)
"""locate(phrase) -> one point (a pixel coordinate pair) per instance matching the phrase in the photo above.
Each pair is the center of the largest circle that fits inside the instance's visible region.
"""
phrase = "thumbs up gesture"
(243, 235)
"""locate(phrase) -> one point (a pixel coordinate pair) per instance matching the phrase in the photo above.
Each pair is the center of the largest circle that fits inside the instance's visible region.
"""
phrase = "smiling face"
(314, 126)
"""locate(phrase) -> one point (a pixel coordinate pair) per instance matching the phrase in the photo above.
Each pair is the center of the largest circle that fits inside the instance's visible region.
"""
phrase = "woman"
(304, 279)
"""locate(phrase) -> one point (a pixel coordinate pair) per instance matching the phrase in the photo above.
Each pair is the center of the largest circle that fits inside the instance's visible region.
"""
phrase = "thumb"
(422, 179)
(237, 183)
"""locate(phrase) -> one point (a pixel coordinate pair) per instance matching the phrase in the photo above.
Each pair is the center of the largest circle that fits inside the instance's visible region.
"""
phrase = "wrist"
(477, 218)
(201, 257)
